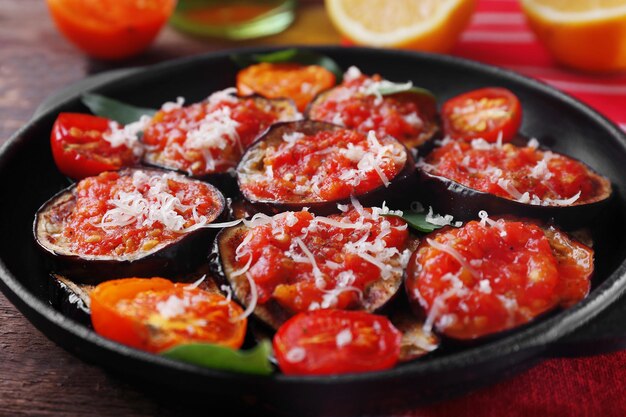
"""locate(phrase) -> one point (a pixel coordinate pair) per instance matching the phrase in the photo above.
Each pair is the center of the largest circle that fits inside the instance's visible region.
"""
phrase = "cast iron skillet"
(28, 177)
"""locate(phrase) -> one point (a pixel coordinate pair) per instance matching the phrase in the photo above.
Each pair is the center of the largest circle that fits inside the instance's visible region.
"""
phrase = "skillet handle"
(603, 334)
(82, 86)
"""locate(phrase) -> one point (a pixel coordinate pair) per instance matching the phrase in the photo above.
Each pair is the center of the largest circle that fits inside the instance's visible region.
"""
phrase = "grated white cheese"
(127, 135)
(343, 338)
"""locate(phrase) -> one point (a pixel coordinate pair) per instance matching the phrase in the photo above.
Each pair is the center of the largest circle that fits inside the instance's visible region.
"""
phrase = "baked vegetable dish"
(313, 221)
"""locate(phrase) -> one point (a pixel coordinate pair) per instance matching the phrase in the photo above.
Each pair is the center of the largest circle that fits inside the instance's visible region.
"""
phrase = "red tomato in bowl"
(485, 113)
(323, 342)
(80, 150)
(110, 29)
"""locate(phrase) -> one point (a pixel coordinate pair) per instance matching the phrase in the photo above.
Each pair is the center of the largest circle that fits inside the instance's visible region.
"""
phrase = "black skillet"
(28, 178)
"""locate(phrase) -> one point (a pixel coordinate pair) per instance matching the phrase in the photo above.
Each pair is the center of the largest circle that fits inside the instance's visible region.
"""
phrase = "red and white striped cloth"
(499, 35)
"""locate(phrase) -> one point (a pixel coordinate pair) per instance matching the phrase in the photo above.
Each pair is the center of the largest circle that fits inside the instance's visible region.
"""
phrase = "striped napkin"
(499, 35)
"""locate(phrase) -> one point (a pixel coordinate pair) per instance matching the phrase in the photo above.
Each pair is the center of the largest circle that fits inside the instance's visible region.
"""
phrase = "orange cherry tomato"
(301, 83)
(323, 342)
(155, 314)
(79, 149)
(110, 29)
(485, 113)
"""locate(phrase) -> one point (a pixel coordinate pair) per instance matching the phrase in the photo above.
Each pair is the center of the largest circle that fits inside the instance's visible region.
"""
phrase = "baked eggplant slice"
(365, 103)
(464, 178)
(319, 165)
(494, 275)
(129, 223)
(295, 261)
(206, 140)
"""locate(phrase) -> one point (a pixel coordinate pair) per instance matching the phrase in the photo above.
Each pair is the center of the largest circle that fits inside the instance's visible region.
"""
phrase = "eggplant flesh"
(222, 260)
(225, 180)
(252, 166)
(464, 203)
(166, 259)
(426, 104)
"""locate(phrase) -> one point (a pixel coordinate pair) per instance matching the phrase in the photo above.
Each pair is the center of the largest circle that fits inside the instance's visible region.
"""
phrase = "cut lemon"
(584, 34)
(428, 25)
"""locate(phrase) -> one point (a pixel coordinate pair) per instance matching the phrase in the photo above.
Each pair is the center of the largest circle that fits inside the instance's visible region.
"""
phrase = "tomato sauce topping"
(118, 214)
(325, 166)
(525, 174)
(305, 262)
(357, 105)
(209, 137)
(490, 276)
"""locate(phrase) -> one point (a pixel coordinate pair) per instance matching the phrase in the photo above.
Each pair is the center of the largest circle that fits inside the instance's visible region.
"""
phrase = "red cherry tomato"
(110, 29)
(79, 149)
(323, 342)
(155, 314)
(485, 113)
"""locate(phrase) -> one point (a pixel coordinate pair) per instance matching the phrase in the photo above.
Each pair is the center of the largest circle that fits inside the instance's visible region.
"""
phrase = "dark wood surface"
(37, 378)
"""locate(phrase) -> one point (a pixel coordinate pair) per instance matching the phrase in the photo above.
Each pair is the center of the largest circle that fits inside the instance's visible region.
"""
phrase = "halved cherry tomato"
(301, 83)
(79, 149)
(323, 342)
(485, 113)
(111, 29)
(155, 314)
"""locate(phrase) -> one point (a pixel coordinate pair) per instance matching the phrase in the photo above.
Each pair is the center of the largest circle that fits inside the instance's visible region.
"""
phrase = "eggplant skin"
(221, 260)
(395, 194)
(179, 256)
(464, 203)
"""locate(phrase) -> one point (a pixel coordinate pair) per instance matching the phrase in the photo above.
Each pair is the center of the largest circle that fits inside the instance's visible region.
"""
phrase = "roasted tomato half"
(363, 103)
(316, 165)
(493, 275)
(487, 113)
(209, 137)
(301, 83)
(296, 261)
(336, 342)
(156, 314)
(84, 145)
(128, 223)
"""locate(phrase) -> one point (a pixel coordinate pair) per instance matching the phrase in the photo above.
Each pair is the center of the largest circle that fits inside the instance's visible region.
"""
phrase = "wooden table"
(36, 376)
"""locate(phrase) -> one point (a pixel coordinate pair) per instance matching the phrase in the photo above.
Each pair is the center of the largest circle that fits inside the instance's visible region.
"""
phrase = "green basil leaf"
(115, 110)
(253, 361)
(299, 56)
(417, 221)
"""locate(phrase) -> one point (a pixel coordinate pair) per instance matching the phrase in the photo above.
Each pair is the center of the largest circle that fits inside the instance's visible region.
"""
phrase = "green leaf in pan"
(417, 221)
(115, 110)
(253, 361)
(290, 55)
